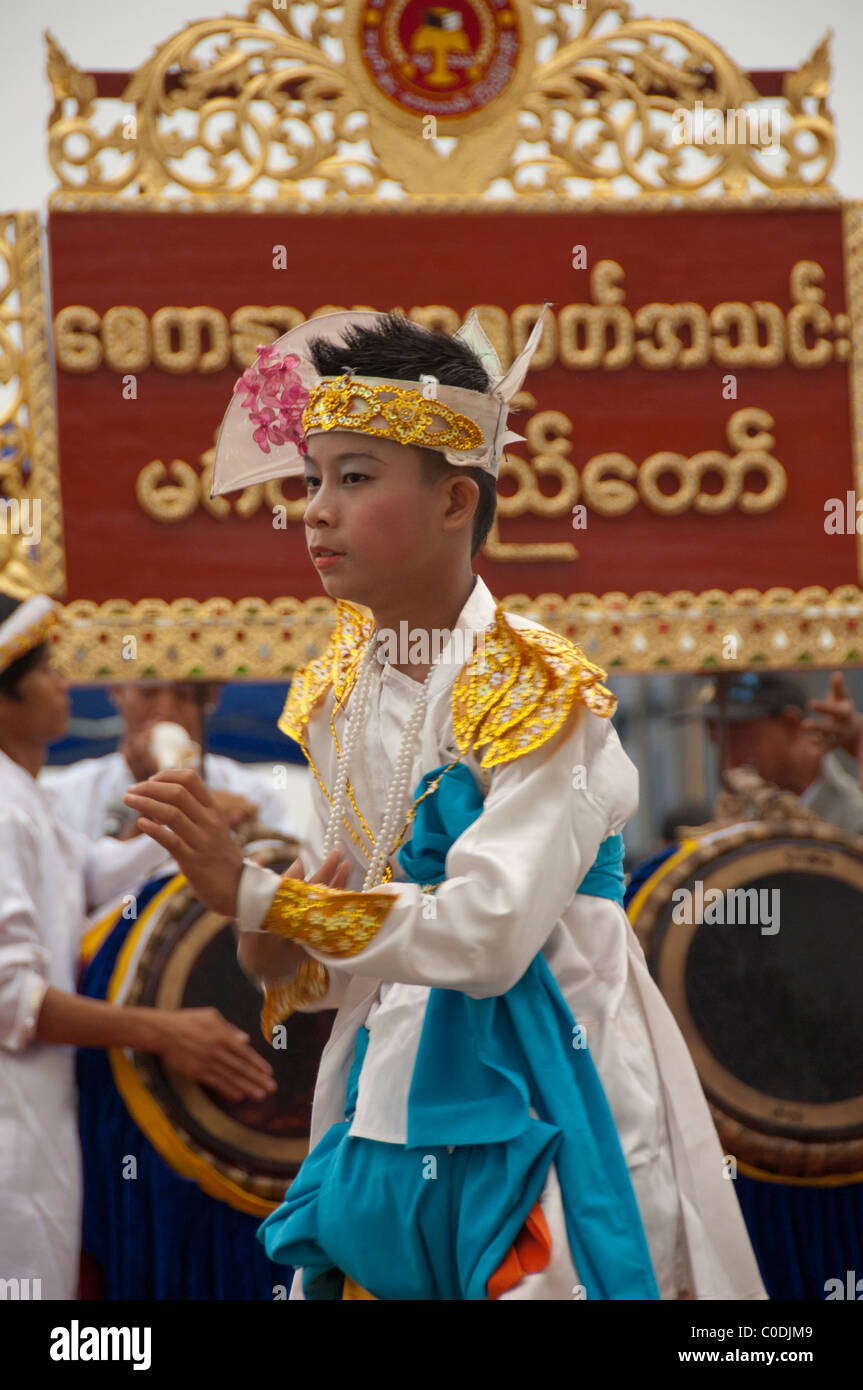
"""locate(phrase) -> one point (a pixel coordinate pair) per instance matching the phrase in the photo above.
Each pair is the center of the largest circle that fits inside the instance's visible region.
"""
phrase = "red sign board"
(691, 408)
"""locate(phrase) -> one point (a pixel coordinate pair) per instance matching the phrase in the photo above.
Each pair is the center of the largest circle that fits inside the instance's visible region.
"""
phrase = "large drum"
(170, 1165)
(754, 933)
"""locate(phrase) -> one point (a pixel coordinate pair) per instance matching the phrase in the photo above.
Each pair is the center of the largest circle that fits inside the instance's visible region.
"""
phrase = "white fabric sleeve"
(113, 867)
(258, 888)
(258, 885)
(254, 895)
(511, 874)
(273, 809)
(24, 960)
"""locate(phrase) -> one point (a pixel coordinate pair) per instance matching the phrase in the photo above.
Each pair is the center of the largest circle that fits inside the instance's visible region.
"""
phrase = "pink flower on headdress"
(275, 399)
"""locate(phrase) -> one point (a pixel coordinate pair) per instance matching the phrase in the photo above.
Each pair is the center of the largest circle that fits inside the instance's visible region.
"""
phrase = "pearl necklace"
(399, 795)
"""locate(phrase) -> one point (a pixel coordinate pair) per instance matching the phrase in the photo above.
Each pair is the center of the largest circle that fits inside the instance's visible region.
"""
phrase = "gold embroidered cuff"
(336, 921)
(283, 997)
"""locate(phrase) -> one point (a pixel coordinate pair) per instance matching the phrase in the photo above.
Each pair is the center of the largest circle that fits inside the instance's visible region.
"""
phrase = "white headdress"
(26, 628)
(282, 400)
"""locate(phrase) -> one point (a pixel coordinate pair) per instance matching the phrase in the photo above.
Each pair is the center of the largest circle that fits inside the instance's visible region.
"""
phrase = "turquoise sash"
(482, 1063)
(434, 1218)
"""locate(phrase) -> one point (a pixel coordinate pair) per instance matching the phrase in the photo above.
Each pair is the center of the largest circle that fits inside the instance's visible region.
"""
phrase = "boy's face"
(367, 500)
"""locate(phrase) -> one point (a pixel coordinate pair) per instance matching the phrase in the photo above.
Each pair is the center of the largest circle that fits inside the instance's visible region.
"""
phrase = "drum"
(182, 955)
(754, 934)
(177, 1179)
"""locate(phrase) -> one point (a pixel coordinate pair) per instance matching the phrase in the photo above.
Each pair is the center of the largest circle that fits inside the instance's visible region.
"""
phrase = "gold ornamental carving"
(31, 522)
(255, 640)
(277, 108)
(289, 105)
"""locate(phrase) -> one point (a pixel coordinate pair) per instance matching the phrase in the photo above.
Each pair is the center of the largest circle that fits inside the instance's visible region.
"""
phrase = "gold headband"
(281, 400)
(343, 403)
(26, 628)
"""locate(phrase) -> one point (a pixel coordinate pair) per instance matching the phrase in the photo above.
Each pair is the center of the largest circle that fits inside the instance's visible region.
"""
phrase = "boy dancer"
(505, 1107)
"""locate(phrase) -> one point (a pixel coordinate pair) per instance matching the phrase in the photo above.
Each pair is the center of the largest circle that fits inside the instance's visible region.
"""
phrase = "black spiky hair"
(394, 348)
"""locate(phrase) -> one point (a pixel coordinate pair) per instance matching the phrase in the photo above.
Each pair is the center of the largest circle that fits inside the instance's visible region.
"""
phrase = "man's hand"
(178, 812)
(202, 1045)
(842, 723)
(136, 750)
(235, 808)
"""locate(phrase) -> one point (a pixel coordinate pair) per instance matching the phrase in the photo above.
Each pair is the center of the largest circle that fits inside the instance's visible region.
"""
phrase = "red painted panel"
(390, 259)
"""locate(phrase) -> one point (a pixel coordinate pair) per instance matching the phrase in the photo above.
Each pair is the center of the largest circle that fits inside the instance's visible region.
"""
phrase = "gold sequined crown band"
(402, 414)
(281, 400)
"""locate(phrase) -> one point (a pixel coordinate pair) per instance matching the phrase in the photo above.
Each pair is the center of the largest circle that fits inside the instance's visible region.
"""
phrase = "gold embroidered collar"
(513, 694)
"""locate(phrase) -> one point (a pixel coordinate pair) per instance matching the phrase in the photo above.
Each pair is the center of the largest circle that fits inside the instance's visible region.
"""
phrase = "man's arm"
(198, 1042)
(112, 867)
(842, 724)
(24, 959)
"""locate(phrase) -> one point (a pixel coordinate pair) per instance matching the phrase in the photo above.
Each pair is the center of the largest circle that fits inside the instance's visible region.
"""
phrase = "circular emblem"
(447, 61)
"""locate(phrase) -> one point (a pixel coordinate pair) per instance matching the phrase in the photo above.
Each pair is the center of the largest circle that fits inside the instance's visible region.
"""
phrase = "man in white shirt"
(89, 794)
(47, 872)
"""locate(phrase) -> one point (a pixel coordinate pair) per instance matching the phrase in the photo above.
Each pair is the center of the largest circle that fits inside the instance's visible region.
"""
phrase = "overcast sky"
(100, 34)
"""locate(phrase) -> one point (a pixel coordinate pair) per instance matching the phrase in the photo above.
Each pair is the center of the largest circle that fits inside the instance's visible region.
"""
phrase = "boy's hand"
(842, 723)
(204, 1046)
(266, 956)
(334, 870)
(178, 812)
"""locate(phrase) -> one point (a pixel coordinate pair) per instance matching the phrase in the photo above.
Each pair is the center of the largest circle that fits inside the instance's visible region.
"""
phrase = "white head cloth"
(240, 461)
(26, 628)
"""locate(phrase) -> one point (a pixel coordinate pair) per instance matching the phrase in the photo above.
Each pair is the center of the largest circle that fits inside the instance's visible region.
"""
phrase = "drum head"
(763, 977)
(190, 961)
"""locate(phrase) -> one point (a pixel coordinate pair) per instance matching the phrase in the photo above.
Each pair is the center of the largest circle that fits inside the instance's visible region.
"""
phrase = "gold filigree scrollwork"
(852, 235)
(607, 106)
(278, 106)
(31, 524)
(216, 638)
(267, 108)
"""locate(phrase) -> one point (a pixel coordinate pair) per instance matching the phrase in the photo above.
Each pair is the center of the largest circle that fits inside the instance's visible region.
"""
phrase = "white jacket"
(46, 874)
(510, 892)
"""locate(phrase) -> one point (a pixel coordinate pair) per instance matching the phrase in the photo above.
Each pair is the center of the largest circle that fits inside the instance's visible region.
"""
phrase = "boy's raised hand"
(177, 811)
